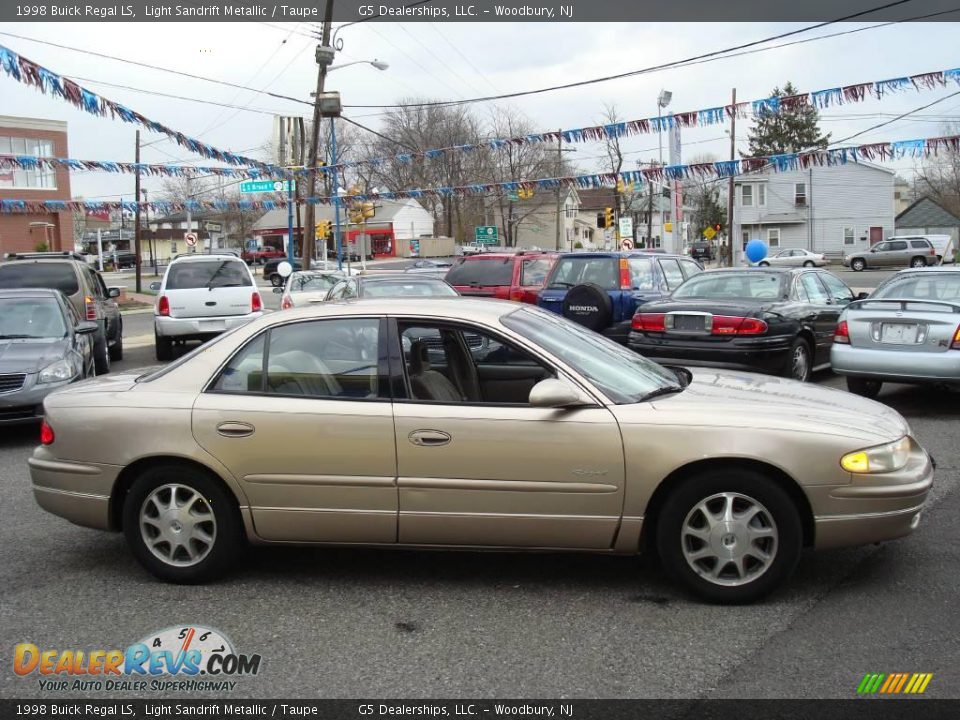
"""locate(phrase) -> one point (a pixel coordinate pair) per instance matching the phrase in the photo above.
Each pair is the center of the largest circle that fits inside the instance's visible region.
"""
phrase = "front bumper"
(25, 405)
(187, 328)
(894, 366)
(766, 354)
(873, 508)
(78, 492)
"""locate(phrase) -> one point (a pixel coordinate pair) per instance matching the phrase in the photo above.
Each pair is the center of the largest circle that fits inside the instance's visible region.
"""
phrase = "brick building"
(21, 232)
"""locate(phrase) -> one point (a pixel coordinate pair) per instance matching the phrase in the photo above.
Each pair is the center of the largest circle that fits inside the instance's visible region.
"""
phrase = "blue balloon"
(756, 250)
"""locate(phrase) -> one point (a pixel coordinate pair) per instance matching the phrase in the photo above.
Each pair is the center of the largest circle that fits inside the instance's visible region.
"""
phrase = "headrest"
(419, 357)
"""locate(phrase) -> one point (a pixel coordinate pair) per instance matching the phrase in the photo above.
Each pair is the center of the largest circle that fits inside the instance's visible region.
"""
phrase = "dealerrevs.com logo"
(179, 658)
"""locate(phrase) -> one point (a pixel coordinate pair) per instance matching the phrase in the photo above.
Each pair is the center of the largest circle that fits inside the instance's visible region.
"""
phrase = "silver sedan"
(907, 331)
(794, 257)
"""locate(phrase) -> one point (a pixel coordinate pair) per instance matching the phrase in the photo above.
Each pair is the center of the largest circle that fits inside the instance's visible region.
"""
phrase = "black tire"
(116, 350)
(763, 263)
(163, 347)
(918, 262)
(858, 264)
(808, 263)
(276, 280)
(864, 387)
(101, 355)
(225, 527)
(588, 305)
(778, 508)
(793, 368)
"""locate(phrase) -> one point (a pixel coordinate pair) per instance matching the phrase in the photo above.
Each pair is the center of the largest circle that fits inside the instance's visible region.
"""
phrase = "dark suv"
(701, 251)
(602, 290)
(83, 287)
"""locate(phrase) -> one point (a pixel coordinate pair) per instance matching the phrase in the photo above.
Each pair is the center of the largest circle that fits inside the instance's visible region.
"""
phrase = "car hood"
(30, 356)
(749, 400)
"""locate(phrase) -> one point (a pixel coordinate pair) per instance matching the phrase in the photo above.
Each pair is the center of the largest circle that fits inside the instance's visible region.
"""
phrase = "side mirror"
(862, 295)
(86, 327)
(551, 393)
(278, 291)
(155, 286)
(113, 292)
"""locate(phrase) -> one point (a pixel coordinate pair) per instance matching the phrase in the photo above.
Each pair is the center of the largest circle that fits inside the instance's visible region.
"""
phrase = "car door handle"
(235, 429)
(429, 438)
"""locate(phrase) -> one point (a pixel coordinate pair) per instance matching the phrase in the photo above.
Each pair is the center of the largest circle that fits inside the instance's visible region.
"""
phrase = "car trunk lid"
(919, 326)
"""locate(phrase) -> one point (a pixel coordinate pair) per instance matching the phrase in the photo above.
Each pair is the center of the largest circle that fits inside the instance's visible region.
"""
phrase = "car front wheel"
(101, 356)
(181, 525)
(276, 280)
(164, 348)
(858, 264)
(730, 536)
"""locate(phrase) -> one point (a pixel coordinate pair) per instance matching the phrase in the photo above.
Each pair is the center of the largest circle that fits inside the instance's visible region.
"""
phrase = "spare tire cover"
(588, 305)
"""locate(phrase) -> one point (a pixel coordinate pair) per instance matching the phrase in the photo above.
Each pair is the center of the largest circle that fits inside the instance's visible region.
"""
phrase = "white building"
(834, 210)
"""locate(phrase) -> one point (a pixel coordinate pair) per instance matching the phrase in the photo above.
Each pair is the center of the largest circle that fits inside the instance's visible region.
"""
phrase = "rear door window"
(55, 275)
(671, 272)
(898, 245)
(690, 268)
(533, 273)
(481, 272)
(815, 290)
(207, 274)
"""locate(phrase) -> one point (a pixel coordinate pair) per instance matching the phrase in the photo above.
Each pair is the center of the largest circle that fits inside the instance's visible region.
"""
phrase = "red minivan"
(508, 276)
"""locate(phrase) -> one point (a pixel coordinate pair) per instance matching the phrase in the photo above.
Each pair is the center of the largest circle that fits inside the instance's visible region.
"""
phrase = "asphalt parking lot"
(355, 623)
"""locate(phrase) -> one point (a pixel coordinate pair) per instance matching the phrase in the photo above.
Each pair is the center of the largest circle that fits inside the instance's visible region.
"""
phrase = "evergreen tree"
(788, 130)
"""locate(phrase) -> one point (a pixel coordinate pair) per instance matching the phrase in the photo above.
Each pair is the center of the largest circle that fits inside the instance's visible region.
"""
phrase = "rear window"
(407, 288)
(533, 273)
(53, 275)
(482, 272)
(207, 274)
(602, 271)
(727, 285)
(921, 286)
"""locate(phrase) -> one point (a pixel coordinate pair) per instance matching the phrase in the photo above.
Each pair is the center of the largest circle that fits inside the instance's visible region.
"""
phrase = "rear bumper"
(75, 491)
(896, 366)
(185, 328)
(768, 355)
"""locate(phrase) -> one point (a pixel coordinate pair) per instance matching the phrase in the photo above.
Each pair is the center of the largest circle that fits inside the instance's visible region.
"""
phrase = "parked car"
(474, 249)
(261, 254)
(307, 286)
(772, 320)
(429, 266)
(200, 297)
(389, 285)
(316, 426)
(701, 251)
(602, 290)
(508, 276)
(84, 288)
(44, 345)
(915, 252)
(272, 273)
(794, 257)
(907, 331)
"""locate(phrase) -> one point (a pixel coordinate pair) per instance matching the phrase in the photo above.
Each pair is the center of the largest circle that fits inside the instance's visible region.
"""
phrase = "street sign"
(668, 227)
(214, 227)
(486, 235)
(709, 233)
(191, 239)
(267, 186)
(626, 227)
(626, 244)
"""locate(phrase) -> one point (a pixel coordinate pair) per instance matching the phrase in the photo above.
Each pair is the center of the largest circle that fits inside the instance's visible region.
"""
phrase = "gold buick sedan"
(472, 424)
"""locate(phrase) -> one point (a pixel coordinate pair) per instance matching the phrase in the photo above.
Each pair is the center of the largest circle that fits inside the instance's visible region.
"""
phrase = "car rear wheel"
(181, 525)
(858, 264)
(730, 536)
(864, 386)
(164, 347)
(763, 263)
(798, 361)
(918, 262)
(808, 263)
(276, 280)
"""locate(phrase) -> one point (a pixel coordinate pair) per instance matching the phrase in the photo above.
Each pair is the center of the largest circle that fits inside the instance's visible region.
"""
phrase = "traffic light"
(525, 193)
(718, 227)
(601, 221)
(608, 217)
(355, 214)
(323, 228)
(367, 210)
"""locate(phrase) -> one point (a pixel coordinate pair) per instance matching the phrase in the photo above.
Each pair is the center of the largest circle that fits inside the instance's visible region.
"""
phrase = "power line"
(414, 61)
(176, 97)
(457, 50)
(898, 117)
(443, 63)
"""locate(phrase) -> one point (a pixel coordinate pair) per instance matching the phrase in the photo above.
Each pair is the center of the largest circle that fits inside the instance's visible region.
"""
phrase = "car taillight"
(649, 322)
(91, 308)
(286, 303)
(624, 274)
(516, 294)
(732, 325)
(842, 333)
(46, 433)
(163, 306)
(955, 345)
(256, 304)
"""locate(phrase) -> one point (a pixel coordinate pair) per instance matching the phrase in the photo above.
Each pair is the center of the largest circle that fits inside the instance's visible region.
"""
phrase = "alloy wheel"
(729, 539)
(800, 363)
(177, 525)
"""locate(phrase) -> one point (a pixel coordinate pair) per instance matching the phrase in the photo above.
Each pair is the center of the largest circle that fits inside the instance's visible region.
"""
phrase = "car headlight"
(879, 459)
(60, 370)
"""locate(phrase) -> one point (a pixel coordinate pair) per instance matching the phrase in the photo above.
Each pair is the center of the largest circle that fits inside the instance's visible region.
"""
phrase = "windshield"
(573, 271)
(621, 374)
(22, 318)
(487, 271)
(313, 282)
(746, 285)
(407, 288)
(207, 274)
(922, 286)
(54, 275)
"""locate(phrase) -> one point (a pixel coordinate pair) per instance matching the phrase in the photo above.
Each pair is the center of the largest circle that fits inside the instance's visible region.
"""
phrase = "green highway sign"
(267, 186)
(486, 235)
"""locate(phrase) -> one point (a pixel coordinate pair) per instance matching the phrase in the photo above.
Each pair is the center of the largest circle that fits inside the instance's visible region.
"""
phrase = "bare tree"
(704, 195)
(938, 176)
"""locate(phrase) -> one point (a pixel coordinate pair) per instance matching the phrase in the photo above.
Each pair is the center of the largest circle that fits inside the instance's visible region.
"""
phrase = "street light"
(378, 64)
(663, 99)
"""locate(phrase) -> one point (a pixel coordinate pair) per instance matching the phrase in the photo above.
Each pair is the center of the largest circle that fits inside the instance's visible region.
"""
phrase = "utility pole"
(189, 213)
(731, 188)
(649, 211)
(309, 229)
(557, 174)
(136, 226)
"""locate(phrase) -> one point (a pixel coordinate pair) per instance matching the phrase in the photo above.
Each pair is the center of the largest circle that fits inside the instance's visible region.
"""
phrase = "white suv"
(202, 296)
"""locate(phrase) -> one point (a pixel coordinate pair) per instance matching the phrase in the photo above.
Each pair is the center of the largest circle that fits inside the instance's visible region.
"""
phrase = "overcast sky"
(455, 60)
